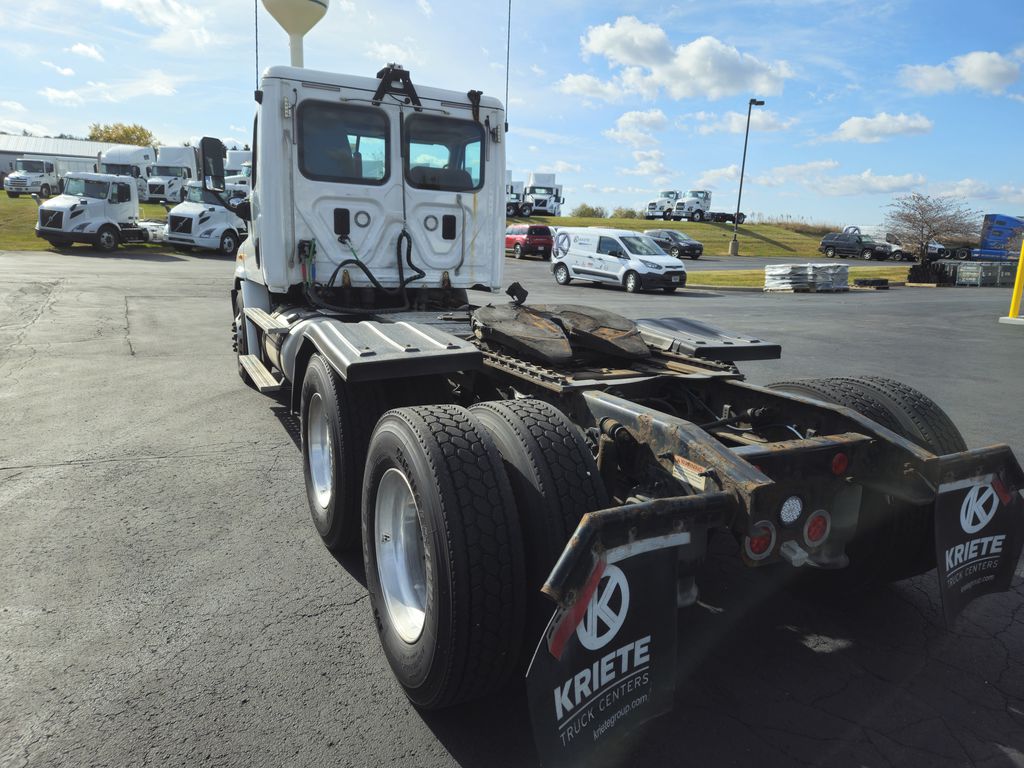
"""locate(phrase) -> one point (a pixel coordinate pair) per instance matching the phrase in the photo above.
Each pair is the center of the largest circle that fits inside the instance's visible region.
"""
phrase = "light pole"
(734, 245)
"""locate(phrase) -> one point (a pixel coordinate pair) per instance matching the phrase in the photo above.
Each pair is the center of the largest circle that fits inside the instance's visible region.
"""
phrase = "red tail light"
(760, 545)
(840, 463)
(817, 528)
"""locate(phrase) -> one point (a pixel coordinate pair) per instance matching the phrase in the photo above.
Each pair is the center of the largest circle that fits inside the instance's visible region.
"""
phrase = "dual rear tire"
(461, 513)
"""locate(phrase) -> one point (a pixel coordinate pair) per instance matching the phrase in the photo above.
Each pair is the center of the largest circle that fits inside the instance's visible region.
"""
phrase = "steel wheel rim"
(319, 450)
(401, 558)
(229, 244)
(107, 239)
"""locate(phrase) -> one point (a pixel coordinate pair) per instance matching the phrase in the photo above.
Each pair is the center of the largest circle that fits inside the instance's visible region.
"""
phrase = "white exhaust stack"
(296, 17)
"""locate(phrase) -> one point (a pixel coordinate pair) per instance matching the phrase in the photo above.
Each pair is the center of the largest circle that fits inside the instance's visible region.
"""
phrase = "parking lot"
(166, 601)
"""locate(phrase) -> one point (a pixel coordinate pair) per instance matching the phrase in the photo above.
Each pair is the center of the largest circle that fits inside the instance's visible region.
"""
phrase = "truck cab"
(93, 209)
(32, 175)
(543, 195)
(205, 220)
(174, 168)
(694, 205)
(128, 160)
(396, 188)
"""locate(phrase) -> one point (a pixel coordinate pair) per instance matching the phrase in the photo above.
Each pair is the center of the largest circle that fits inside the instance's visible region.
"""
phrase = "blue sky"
(865, 99)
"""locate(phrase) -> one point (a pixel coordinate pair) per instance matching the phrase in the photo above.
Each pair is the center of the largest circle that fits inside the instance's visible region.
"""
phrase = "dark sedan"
(676, 243)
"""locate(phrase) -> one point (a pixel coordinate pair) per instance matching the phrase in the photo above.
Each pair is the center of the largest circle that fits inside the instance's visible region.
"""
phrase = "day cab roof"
(99, 177)
(126, 153)
(335, 81)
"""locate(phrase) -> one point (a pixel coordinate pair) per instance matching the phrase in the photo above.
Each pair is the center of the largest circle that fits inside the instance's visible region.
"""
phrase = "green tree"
(585, 211)
(122, 133)
(625, 213)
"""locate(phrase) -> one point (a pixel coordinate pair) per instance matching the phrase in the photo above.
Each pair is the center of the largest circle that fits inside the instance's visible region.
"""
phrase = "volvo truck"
(532, 486)
(129, 160)
(175, 167)
(206, 221)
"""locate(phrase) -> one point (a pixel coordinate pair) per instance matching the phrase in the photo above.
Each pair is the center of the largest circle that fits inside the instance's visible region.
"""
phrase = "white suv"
(617, 256)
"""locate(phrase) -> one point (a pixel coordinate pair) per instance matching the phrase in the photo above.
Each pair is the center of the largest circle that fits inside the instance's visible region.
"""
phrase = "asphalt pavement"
(165, 601)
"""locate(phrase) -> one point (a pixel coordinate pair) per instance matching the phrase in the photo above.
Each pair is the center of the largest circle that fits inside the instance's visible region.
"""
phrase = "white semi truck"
(205, 221)
(175, 167)
(515, 205)
(542, 195)
(692, 205)
(235, 160)
(42, 175)
(129, 160)
(534, 485)
(96, 208)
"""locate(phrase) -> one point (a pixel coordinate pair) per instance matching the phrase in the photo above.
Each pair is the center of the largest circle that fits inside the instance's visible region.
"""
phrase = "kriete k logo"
(979, 507)
(606, 611)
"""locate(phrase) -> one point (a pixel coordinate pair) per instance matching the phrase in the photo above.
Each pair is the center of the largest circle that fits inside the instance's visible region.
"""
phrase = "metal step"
(265, 321)
(263, 379)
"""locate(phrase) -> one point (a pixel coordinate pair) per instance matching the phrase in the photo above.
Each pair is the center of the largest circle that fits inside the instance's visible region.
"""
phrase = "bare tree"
(917, 219)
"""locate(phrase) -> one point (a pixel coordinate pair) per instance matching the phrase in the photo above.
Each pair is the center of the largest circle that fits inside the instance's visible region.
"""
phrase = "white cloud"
(589, 87)
(546, 136)
(986, 71)
(714, 177)
(970, 188)
(736, 122)
(12, 106)
(425, 7)
(560, 166)
(537, 70)
(871, 130)
(65, 71)
(390, 53)
(798, 173)
(88, 51)
(649, 162)
(152, 82)
(867, 183)
(237, 129)
(17, 126)
(649, 64)
(635, 127)
(182, 26)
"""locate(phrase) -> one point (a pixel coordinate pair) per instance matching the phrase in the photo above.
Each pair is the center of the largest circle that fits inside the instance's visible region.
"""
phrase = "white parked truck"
(42, 175)
(542, 196)
(535, 484)
(235, 160)
(129, 160)
(205, 221)
(96, 208)
(241, 180)
(692, 205)
(175, 167)
(515, 205)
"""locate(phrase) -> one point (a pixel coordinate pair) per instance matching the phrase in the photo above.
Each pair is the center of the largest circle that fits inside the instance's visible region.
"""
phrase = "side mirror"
(36, 198)
(241, 207)
(617, 253)
(165, 205)
(211, 157)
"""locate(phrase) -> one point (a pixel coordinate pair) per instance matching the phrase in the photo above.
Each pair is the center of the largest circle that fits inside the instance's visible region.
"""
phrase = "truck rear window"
(444, 153)
(343, 143)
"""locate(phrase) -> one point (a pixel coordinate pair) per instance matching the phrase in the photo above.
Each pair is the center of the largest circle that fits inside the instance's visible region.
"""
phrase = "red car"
(524, 239)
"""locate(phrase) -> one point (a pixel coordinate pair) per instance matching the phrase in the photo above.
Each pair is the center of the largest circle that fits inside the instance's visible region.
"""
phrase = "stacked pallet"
(806, 278)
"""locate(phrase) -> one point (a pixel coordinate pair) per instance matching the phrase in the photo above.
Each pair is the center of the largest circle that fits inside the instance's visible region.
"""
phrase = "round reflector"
(817, 527)
(840, 463)
(791, 510)
(760, 545)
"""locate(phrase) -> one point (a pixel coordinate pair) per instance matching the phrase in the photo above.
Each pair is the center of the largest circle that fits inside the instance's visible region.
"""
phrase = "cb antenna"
(256, 24)
(508, 50)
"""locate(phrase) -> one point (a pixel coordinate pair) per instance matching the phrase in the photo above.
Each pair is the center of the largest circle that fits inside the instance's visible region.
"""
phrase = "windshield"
(196, 194)
(669, 193)
(86, 188)
(444, 153)
(641, 245)
(542, 191)
(695, 193)
(32, 166)
(118, 169)
(170, 170)
(679, 237)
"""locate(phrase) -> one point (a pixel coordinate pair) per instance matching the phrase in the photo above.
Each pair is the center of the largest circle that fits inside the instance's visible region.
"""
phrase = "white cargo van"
(616, 256)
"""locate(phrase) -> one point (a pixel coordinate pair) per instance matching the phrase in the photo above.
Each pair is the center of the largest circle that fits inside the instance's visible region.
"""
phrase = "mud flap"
(979, 533)
(606, 664)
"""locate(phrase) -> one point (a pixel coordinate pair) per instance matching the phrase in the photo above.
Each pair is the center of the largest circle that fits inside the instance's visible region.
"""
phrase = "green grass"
(18, 221)
(766, 240)
(754, 278)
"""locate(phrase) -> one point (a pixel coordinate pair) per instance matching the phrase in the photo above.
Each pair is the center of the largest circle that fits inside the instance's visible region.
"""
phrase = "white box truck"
(542, 195)
(42, 175)
(235, 160)
(515, 205)
(100, 209)
(175, 167)
(129, 160)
